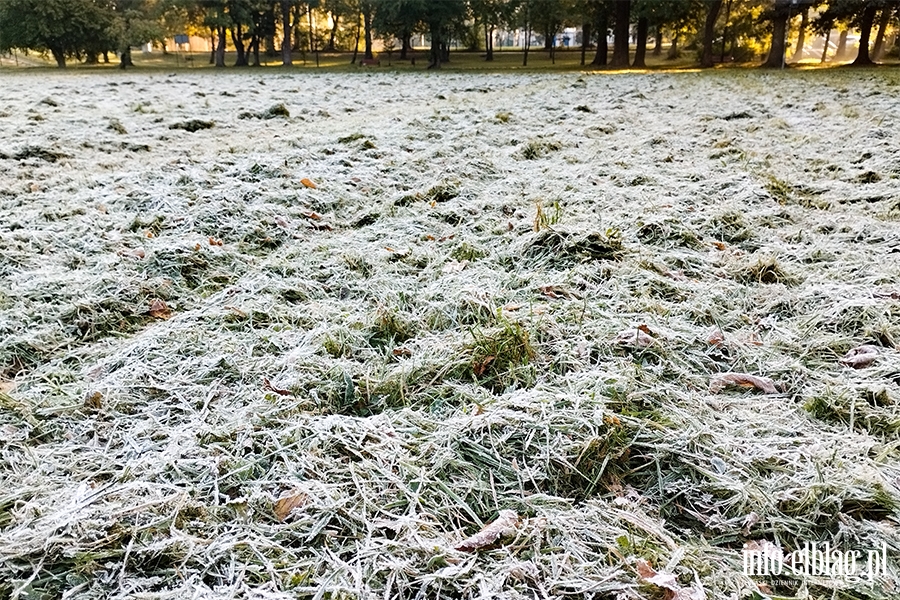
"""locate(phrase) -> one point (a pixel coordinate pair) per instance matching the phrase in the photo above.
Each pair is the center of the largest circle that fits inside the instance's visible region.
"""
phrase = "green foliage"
(62, 28)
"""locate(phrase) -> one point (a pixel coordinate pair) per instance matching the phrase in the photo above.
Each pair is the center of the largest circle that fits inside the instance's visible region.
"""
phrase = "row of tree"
(90, 29)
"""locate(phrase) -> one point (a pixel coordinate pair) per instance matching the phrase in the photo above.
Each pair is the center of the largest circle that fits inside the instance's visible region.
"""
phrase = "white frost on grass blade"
(412, 393)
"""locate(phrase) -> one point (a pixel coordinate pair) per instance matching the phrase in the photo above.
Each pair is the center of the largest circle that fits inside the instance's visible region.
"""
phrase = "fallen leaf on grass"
(215, 242)
(159, 309)
(859, 357)
(637, 337)
(715, 337)
(308, 183)
(480, 367)
(505, 524)
(402, 352)
(313, 216)
(286, 504)
(267, 385)
(667, 581)
(94, 401)
(722, 380)
(454, 266)
(893, 295)
(556, 291)
(651, 575)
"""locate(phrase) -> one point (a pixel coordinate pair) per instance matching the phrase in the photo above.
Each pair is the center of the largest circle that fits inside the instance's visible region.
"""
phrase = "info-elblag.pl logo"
(815, 559)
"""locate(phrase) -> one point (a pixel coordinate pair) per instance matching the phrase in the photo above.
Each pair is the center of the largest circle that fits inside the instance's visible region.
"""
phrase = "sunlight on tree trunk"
(865, 31)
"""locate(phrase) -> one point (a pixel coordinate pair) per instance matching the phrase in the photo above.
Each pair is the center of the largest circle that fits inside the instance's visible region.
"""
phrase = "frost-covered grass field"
(217, 381)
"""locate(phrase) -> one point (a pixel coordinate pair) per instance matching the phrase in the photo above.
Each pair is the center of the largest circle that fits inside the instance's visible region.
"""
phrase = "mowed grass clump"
(216, 378)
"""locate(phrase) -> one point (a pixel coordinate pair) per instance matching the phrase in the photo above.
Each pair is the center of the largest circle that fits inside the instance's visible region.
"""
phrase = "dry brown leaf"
(722, 380)
(94, 401)
(159, 309)
(860, 357)
(402, 352)
(314, 216)
(893, 295)
(215, 242)
(505, 524)
(637, 337)
(197, 247)
(720, 245)
(454, 266)
(651, 575)
(267, 385)
(236, 311)
(667, 581)
(556, 291)
(308, 183)
(287, 503)
(480, 367)
(715, 337)
(512, 307)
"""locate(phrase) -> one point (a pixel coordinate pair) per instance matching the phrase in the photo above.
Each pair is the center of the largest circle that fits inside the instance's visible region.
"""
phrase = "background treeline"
(738, 30)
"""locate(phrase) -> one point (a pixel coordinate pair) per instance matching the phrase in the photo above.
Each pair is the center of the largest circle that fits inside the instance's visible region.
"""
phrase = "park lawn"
(300, 334)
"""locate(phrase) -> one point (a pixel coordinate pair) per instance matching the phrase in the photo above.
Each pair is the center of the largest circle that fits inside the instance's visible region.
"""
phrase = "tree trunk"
(801, 36)
(527, 45)
(212, 45)
(490, 48)
(334, 29)
(106, 57)
(709, 32)
(404, 45)
(841, 51)
(358, 34)
(621, 29)
(602, 55)
(270, 30)
(60, 58)
(883, 23)
(126, 61)
(367, 19)
(640, 53)
(286, 60)
(674, 52)
(725, 32)
(297, 44)
(92, 58)
(657, 44)
(585, 40)
(865, 31)
(220, 47)
(779, 29)
(237, 37)
(825, 46)
(435, 58)
(254, 50)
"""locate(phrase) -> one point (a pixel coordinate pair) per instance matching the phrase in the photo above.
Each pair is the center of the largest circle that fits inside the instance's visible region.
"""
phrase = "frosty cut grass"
(216, 379)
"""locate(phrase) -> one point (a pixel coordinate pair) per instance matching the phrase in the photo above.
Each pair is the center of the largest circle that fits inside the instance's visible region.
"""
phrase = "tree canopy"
(85, 29)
